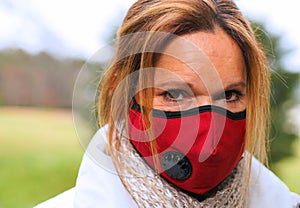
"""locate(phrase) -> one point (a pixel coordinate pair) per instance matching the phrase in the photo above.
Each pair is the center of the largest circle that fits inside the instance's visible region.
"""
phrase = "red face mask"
(197, 148)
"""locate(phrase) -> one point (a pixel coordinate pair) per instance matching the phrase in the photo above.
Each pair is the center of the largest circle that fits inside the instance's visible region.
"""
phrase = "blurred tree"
(284, 86)
(36, 80)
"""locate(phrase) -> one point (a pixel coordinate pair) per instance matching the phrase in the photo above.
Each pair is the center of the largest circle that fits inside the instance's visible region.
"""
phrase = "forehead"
(209, 56)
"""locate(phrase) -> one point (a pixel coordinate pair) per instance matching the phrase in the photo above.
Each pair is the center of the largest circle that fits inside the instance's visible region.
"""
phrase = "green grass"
(289, 169)
(39, 155)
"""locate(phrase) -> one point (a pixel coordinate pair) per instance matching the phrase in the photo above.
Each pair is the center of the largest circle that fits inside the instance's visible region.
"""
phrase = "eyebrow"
(172, 83)
(234, 85)
(191, 86)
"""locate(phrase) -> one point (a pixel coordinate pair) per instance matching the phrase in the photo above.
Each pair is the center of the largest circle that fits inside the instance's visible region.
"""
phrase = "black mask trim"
(193, 111)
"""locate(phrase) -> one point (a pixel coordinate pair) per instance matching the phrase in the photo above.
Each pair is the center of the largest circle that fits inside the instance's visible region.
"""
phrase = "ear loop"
(135, 105)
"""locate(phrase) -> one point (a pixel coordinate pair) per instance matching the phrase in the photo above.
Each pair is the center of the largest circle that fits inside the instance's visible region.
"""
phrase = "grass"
(288, 169)
(39, 155)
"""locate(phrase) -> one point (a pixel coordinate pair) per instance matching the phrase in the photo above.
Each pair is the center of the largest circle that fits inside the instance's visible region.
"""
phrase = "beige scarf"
(150, 190)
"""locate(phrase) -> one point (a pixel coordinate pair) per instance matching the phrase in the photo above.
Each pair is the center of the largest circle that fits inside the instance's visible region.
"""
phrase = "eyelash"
(237, 93)
(168, 94)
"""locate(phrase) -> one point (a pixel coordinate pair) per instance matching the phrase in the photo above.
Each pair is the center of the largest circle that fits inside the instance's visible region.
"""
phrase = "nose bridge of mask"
(215, 131)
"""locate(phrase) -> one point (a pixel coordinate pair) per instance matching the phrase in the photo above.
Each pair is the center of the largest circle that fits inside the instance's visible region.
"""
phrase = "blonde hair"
(181, 17)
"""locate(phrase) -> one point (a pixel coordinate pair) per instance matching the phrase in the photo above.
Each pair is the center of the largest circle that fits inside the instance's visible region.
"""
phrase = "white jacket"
(98, 185)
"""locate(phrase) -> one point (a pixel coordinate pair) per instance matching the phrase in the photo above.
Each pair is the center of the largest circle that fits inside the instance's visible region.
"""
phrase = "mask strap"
(135, 105)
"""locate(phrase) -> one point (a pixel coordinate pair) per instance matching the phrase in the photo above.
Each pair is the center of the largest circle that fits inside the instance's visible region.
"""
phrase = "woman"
(183, 108)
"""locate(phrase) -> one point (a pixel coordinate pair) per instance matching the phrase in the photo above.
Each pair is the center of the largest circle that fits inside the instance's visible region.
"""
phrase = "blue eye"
(229, 96)
(233, 95)
(174, 95)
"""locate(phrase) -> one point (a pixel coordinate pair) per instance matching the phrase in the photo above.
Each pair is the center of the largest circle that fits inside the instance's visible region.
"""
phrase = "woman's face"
(210, 70)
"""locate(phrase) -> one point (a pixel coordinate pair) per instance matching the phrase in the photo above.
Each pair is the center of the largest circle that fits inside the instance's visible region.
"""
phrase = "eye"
(230, 96)
(174, 95)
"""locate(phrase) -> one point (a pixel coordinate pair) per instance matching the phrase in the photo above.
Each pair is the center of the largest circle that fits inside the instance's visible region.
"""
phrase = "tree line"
(36, 80)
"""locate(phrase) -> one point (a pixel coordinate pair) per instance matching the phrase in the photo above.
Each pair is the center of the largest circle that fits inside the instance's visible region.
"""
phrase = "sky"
(78, 28)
